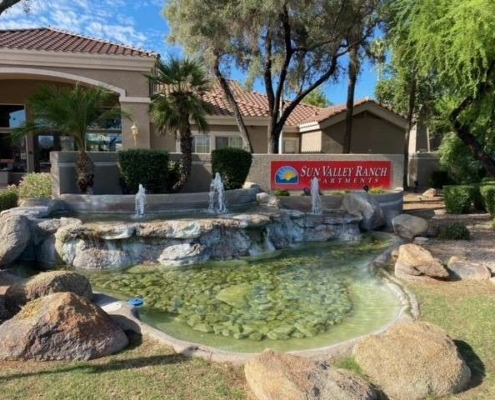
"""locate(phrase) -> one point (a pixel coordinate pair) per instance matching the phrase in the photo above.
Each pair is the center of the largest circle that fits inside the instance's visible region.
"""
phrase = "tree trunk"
(351, 87)
(85, 172)
(186, 150)
(4, 4)
(246, 142)
(410, 116)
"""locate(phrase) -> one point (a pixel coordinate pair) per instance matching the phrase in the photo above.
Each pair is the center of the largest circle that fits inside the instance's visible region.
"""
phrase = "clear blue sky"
(137, 23)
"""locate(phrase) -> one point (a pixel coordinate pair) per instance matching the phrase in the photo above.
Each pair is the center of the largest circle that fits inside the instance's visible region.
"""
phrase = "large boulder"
(417, 263)
(274, 376)
(413, 361)
(408, 226)
(61, 326)
(15, 235)
(43, 284)
(461, 268)
(362, 205)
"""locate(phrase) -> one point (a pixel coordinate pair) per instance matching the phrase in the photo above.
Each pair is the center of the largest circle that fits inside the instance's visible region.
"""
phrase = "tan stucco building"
(30, 58)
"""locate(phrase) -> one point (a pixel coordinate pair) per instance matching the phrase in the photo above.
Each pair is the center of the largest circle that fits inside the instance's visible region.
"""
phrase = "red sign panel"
(332, 175)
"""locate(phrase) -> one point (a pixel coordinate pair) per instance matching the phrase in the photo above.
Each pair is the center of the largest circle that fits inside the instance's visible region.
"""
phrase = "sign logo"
(287, 175)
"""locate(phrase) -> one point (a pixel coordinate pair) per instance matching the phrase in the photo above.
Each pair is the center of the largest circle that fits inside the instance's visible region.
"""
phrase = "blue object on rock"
(136, 302)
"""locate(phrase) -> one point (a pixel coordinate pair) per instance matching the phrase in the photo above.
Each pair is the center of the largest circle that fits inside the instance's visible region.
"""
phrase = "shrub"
(148, 167)
(36, 186)
(488, 196)
(377, 190)
(8, 199)
(281, 193)
(438, 179)
(453, 231)
(458, 198)
(232, 164)
(488, 180)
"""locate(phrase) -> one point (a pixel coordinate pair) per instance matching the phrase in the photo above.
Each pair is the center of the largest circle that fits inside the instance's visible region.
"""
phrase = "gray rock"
(15, 235)
(61, 326)
(461, 268)
(362, 205)
(408, 226)
(419, 240)
(274, 376)
(43, 284)
(183, 254)
(267, 199)
(413, 361)
(417, 263)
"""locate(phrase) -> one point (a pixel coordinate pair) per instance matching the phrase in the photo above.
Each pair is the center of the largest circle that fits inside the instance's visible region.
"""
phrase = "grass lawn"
(146, 370)
(466, 310)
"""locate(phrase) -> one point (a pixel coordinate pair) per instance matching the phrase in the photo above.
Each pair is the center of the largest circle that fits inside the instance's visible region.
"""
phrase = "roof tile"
(50, 39)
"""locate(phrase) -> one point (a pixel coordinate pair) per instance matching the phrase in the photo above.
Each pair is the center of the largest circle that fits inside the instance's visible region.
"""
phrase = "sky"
(138, 23)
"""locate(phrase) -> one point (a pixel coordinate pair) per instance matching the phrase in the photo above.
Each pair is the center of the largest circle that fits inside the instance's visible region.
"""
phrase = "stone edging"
(127, 317)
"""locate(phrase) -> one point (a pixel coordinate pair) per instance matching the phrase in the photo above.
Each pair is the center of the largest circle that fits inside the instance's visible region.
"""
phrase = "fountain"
(140, 201)
(316, 208)
(217, 196)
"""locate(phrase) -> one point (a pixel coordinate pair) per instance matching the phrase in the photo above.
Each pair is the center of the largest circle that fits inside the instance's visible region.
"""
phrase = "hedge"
(458, 198)
(488, 196)
(36, 186)
(8, 199)
(233, 165)
(146, 167)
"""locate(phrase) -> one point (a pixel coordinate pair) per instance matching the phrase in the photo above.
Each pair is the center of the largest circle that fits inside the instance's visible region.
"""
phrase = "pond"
(308, 297)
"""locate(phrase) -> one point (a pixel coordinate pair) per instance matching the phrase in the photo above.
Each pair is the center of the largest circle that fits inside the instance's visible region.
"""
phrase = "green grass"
(144, 371)
(466, 311)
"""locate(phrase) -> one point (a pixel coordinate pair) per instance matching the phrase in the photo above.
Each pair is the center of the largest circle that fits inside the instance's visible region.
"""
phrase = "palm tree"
(71, 111)
(178, 104)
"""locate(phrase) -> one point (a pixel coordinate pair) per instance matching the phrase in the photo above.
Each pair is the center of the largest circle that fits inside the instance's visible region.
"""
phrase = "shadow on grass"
(111, 366)
(475, 363)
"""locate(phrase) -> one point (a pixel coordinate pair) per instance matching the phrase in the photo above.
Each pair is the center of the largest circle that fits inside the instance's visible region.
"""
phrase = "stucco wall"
(371, 134)
(421, 166)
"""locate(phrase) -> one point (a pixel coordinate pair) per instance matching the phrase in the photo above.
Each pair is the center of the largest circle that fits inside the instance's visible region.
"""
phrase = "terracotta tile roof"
(254, 104)
(50, 39)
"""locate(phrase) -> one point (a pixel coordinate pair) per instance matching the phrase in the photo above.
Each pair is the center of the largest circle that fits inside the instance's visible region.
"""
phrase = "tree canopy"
(292, 46)
(453, 42)
(317, 98)
(6, 4)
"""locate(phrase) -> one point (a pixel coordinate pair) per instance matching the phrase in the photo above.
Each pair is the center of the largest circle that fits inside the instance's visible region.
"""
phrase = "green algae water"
(309, 297)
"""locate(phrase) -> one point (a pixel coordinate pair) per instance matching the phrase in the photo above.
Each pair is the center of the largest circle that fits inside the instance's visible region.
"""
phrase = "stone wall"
(106, 171)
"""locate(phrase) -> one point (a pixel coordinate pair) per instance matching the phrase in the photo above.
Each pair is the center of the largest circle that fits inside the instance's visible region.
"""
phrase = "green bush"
(458, 198)
(8, 199)
(453, 231)
(148, 167)
(377, 190)
(36, 186)
(438, 179)
(232, 164)
(281, 193)
(488, 180)
(174, 172)
(488, 196)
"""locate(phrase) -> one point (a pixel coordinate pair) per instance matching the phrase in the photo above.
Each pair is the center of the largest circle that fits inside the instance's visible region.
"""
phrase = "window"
(228, 141)
(12, 150)
(201, 144)
(291, 146)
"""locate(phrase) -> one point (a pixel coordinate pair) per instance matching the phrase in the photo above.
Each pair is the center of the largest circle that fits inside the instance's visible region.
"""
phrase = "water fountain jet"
(316, 207)
(217, 196)
(140, 201)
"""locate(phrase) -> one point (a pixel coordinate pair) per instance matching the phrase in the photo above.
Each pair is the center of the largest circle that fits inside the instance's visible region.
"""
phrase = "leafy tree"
(454, 41)
(179, 103)
(292, 46)
(317, 98)
(5, 4)
(71, 111)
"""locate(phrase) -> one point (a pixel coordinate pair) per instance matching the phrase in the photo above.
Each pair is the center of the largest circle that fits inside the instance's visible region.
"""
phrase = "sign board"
(332, 175)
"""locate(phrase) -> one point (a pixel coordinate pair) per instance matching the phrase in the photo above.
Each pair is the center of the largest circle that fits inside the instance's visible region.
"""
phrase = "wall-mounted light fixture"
(135, 133)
